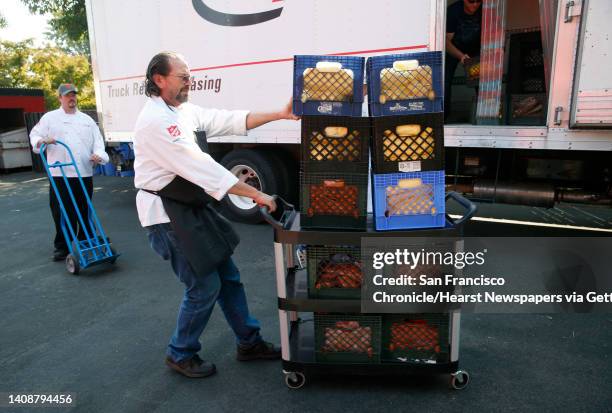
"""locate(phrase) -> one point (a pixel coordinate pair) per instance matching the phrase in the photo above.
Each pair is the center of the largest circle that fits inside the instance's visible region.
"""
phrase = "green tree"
(68, 23)
(14, 57)
(24, 66)
(2, 21)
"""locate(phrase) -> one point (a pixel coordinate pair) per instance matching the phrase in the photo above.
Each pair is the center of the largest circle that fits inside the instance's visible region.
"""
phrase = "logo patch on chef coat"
(174, 131)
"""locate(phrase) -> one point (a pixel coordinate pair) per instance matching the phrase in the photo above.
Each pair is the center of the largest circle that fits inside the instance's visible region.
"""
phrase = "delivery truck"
(533, 128)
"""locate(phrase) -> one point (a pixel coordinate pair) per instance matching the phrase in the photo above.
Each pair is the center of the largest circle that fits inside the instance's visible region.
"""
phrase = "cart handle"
(470, 207)
(285, 211)
(58, 164)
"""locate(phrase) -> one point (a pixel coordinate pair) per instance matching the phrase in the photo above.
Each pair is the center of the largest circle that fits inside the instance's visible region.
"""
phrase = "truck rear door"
(591, 104)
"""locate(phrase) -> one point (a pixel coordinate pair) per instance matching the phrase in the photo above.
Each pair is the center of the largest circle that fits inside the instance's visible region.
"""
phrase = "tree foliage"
(25, 66)
(68, 23)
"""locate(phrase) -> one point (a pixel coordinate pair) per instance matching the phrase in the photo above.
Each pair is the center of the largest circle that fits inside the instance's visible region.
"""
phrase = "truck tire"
(257, 169)
(286, 176)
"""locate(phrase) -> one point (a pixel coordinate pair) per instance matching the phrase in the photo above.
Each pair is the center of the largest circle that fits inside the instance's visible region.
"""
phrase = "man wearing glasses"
(463, 26)
(166, 152)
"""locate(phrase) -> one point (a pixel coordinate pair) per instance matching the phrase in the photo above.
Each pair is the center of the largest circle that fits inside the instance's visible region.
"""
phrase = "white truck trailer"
(241, 57)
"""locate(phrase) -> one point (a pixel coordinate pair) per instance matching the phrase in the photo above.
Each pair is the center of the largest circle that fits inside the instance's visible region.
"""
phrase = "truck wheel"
(253, 168)
(287, 182)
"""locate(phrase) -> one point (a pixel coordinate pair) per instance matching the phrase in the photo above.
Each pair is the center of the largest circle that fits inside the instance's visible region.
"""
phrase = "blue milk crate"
(328, 93)
(409, 200)
(403, 92)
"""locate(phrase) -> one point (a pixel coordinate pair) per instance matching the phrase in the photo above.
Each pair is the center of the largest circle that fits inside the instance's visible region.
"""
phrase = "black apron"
(205, 237)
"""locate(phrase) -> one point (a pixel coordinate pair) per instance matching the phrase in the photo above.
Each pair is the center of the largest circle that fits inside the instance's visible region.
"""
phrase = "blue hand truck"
(96, 247)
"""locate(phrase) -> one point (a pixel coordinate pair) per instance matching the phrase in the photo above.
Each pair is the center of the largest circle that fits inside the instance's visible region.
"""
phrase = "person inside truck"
(170, 169)
(463, 27)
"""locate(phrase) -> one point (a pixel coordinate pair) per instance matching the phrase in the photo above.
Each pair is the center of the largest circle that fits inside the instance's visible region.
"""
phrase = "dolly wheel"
(72, 265)
(460, 380)
(114, 254)
(295, 380)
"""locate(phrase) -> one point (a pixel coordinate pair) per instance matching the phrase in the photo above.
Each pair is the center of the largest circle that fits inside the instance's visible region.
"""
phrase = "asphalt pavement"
(101, 336)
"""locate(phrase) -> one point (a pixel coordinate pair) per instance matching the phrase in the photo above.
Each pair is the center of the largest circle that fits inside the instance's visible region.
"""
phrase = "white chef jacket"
(165, 146)
(78, 131)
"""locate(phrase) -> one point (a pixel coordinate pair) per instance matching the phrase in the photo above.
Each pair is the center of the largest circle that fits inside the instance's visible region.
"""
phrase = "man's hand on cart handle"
(96, 159)
(47, 141)
(242, 189)
(265, 200)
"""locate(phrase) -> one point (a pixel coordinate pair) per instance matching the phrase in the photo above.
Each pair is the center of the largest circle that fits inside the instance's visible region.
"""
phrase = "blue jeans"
(201, 292)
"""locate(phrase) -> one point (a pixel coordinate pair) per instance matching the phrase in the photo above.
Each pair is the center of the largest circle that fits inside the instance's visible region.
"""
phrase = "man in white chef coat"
(166, 152)
(81, 134)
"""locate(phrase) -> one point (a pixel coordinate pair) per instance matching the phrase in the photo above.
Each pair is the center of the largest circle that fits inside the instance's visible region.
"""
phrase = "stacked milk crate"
(328, 94)
(406, 136)
(406, 102)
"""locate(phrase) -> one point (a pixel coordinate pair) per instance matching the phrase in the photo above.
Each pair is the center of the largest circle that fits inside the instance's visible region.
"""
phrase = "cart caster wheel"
(295, 380)
(459, 380)
(72, 265)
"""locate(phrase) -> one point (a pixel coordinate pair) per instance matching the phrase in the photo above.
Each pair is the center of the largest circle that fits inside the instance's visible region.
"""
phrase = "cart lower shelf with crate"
(299, 357)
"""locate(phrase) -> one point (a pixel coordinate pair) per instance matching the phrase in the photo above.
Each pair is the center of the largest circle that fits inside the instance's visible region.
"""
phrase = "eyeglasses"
(184, 78)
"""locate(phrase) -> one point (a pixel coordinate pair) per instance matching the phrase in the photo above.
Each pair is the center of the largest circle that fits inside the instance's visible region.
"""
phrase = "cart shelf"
(287, 228)
(302, 344)
(298, 336)
(297, 297)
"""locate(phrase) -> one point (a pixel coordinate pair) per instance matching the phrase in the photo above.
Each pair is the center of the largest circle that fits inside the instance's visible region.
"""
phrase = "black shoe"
(260, 351)
(193, 367)
(59, 255)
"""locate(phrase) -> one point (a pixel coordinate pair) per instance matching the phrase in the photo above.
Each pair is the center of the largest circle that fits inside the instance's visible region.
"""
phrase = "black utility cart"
(300, 316)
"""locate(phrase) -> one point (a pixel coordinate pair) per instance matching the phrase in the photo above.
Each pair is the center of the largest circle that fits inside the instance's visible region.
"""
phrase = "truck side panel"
(237, 66)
